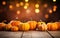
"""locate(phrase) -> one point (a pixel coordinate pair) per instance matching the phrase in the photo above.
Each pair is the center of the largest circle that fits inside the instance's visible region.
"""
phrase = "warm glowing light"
(54, 8)
(46, 16)
(21, 3)
(37, 5)
(10, 6)
(26, 0)
(18, 12)
(37, 10)
(27, 4)
(4, 3)
(54, 0)
(17, 5)
(50, 11)
(27, 11)
(45, 5)
(25, 7)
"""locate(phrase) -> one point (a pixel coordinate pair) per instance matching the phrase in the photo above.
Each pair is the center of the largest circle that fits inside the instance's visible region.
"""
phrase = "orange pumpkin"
(58, 23)
(2, 25)
(14, 28)
(24, 27)
(32, 24)
(52, 26)
(42, 26)
(8, 26)
(15, 23)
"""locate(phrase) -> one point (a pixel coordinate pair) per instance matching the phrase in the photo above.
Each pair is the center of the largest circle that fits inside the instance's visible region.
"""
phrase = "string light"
(4, 3)
(37, 10)
(46, 16)
(45, 5)
(17, 5)
(21, 3)
(54, 0)
(27, 11)
(27, 4)
(54, 8)
(10, 6)
(25, 7)
(37, 5)
(50, 11)
(18, 12)
(26, 0)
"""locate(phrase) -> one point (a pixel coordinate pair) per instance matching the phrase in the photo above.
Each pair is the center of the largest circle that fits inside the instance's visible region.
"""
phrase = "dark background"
(8, 15)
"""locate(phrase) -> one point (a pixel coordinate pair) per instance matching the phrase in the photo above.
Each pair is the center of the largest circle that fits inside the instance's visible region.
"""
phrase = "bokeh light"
(46, 16)
(10, 6)
(50, 11)
(4, 3)
(45, 5)
(26, 0)
(27, 4)
(54, 8)
(18, 12)
(25, 7)
(54, 0)
(28, 11)
(37, 10)
(21, 3)
(37, 6)
(17, 5)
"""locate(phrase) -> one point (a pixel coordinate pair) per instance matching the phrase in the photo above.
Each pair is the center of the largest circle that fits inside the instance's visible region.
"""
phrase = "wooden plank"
(4, 34)
(56, 34)
(36, 34)
(27, 34)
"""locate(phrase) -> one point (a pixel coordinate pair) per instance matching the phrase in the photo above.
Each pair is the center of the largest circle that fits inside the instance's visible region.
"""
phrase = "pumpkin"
(15, 23)
(58, 23)
(40, 23)
(42, 26)
(2, 25)
(32, 24)
(24, 27)
(8, 26)
(52, 26)
(14, 28)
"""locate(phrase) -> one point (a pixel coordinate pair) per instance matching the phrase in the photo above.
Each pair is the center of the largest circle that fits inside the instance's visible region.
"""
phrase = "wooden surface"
(29, 34)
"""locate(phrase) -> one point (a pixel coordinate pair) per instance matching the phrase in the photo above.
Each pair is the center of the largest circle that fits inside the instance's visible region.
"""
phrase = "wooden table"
(30, 34)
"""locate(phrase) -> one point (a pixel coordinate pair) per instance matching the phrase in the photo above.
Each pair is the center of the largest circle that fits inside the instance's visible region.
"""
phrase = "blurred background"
(25, 10)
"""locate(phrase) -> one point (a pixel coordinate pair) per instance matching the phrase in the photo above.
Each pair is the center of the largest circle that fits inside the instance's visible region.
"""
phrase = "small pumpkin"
(42, 26)
(2, 25)
(40, 23)
(14, 28)
(32, 24)
(15, 23)
(52, 26)
(58, 23)
(24, 27)
(8, 26)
